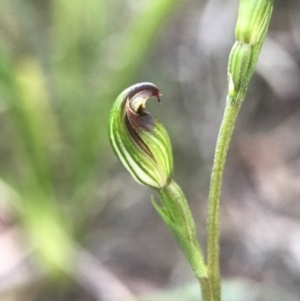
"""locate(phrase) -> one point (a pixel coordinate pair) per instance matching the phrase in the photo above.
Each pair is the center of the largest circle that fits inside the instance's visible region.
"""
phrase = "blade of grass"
(35, 125)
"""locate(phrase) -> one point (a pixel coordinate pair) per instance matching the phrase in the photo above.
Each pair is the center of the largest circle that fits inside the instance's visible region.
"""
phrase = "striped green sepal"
(253, 20)
(140, 142)
(251, 28)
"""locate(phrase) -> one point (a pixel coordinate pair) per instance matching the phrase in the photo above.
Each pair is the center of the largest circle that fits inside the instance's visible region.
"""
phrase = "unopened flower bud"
(239, 66)
(253, 20)
(140, 141)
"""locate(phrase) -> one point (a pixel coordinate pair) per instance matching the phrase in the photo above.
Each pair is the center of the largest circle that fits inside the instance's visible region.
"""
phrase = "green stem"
(224, 138)
(206, 289)
(177, 215)
(252, 25)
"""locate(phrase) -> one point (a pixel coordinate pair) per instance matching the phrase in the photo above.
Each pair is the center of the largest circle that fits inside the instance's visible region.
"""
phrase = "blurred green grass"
(62, 63)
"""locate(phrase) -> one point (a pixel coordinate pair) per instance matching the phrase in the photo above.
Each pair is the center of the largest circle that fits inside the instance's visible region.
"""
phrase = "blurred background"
(73, 223)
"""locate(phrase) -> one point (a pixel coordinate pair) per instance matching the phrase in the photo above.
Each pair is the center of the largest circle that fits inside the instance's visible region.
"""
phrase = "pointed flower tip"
(140, 141)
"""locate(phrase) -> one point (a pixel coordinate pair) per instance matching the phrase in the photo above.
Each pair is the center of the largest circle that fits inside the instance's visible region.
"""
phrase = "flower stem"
(176, 214)
(206, 289)
(224, 138)
(251, 29)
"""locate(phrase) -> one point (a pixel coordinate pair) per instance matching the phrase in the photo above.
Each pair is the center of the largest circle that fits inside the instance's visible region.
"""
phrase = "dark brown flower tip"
(135, 108)
(138, 95)
(149, 88)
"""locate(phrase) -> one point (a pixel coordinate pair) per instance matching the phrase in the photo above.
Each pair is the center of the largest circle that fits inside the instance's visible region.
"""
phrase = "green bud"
(240, 60)
(252, 25)
(253, 20)
(140, 141)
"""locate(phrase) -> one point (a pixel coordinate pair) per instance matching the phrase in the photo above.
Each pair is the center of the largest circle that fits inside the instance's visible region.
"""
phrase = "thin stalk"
(224, 138)
(251, 29)
(178, 217)
(206, 289)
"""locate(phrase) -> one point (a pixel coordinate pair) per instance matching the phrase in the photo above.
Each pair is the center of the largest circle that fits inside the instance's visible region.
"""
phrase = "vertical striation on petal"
(140, 141)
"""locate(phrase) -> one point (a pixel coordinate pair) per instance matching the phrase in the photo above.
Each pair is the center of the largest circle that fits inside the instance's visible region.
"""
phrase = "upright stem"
(224, 138)
(206, 289)
(251, 29)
